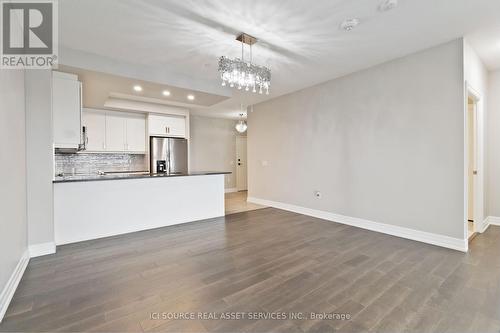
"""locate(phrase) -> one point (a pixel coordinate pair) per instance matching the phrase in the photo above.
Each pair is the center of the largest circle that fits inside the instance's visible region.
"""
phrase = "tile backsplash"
(85, 163)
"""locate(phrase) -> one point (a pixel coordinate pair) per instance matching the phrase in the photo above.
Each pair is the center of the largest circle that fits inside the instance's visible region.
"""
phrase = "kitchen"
(124, 169)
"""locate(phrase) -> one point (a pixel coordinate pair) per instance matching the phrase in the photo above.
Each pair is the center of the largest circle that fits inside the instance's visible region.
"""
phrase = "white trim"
(231, 190)
(490, 220)
(38, 250)
(417, 235)
(494, 220)
(11, 286)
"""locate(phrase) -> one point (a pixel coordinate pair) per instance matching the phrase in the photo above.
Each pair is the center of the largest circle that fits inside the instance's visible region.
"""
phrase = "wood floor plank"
(262, 261)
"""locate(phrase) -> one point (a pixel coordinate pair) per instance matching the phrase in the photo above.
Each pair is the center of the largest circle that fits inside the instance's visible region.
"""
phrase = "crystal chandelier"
(245, 75)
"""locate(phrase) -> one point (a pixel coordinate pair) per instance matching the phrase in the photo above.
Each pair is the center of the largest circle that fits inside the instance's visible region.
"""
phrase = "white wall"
(476, 78)
(39, 158)
(213, 146)
(13, 226)
(385, 144)
(493, 145)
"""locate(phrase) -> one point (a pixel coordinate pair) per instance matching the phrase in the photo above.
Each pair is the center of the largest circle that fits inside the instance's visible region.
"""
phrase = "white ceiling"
(180, 41)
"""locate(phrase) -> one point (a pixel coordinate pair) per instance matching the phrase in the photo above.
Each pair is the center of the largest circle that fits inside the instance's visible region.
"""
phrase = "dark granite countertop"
(120, 176)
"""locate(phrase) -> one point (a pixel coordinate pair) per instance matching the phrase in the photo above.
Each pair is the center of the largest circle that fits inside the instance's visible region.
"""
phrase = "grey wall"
(213, 146)
(13, 226)
(385, 144)
(40, 166)
(493, 145)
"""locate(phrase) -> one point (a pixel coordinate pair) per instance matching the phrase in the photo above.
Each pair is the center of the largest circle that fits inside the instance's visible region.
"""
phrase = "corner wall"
(493, 145)
(40, 162)
(476, 78)
(13, 226)
(384, 145)
(213, 146)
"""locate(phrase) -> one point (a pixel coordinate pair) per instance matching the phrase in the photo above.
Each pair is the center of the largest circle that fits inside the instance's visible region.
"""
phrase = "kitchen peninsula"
(122, 165)
(96, 206)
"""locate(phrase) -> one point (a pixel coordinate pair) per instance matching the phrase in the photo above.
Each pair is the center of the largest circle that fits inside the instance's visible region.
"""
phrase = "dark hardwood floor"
(261, 262)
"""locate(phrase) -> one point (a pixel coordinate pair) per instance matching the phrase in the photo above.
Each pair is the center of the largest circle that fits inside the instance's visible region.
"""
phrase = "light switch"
(264, 163)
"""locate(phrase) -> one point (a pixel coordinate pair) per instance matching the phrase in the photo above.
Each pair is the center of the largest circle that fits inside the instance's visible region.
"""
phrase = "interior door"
(471, 140)
(241, 163)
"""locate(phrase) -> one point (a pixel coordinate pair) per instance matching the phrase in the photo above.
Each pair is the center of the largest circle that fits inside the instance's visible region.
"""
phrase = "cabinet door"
(167, 126)
(136, 133)
(66, 106)
(95, 125)
(177, 126)
(115, 132)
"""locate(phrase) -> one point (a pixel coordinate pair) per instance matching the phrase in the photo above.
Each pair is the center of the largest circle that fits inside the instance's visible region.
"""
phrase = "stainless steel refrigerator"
(168, 155)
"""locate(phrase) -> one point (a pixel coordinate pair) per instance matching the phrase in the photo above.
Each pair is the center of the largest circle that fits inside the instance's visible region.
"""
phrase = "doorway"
(471, 164)
(473, 167)
(236, 202)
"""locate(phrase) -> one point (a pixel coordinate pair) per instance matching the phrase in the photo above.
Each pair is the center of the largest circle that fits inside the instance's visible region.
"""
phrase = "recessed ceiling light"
(137, 87)
(387, 5)
(166, 93)
(349, 24)
(190, 97)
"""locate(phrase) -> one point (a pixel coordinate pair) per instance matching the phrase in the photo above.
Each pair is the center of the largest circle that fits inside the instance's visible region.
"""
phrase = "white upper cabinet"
(66, 109)
(95, 127)
(115, 132)
(167, 126)
(135, 133)
(112, 131)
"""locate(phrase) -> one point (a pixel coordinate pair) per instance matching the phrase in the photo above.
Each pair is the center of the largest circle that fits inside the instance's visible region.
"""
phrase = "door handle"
(474, 172)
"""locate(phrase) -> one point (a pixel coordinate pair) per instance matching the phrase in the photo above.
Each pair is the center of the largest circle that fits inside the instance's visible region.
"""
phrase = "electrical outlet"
(317, 194)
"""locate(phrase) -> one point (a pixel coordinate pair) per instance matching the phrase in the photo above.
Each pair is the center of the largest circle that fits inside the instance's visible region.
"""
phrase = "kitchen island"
(96, 206)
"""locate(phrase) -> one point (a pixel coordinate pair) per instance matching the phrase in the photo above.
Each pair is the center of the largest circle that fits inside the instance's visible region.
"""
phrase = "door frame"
(238, 138)
(478, 183)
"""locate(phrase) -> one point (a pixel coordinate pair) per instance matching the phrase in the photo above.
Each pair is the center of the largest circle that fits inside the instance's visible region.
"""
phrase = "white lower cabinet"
(111, 131)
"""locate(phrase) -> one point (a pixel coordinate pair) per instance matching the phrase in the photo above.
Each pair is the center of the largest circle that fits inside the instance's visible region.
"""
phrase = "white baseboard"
(494, 220)
(43, 249)
(231, 190)
(416, 235)
(490, 220)
(11, 286)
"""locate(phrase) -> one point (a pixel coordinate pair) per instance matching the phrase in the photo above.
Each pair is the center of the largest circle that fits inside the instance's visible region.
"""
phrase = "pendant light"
(241, 125)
